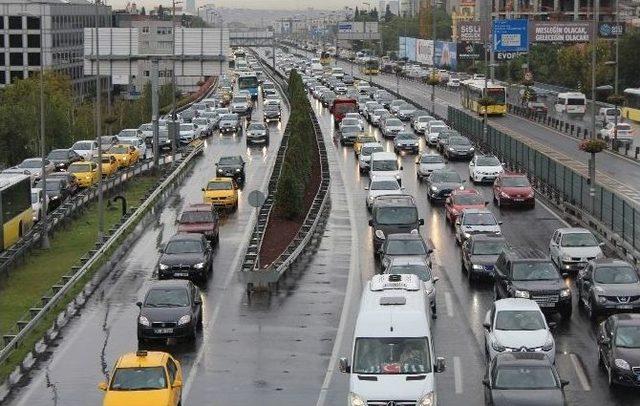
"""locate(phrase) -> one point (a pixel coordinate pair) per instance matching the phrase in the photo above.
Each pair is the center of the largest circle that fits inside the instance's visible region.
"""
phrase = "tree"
(388, 15)
(373, 14)
(629, 55)
(356, 14)
(143, 11)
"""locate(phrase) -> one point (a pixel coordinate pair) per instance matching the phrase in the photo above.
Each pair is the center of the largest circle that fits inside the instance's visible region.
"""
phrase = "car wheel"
(499, 202)
(216, 240)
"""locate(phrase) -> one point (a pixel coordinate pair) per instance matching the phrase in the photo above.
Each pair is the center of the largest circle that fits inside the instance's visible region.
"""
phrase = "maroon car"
(513, 189)
(200, 218)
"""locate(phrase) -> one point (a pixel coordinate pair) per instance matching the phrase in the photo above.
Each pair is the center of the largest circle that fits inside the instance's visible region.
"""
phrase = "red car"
(460, 200)
(203, 219)
(513, 189)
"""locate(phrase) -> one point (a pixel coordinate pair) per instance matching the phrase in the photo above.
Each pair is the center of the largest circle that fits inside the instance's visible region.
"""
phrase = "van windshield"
(387, 165)
(396, 215)
(397, 355)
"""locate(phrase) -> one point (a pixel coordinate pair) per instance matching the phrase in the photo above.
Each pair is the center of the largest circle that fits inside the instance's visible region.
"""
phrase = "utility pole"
(592, 159)
(221, 33)
(175, 132)
(44, 241)
(99, 128)
(154, 114)
(492, 54)
(433, 55)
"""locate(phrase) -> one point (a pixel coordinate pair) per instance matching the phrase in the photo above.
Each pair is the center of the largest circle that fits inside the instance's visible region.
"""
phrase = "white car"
(349, 122)
(453, 82)
(87, 149)
(364, 158)
(378, 115)
(391, 127)
(385, 164)
(33, 167)
(188, 132)
(146, 130)
(272, 99)
(421, 123)
(131, 132)
(395, 105)
(476, 221)
(484, 168)
(136, 142)
(382, 186)
(428, 163)
(572, 248)
(624, 134)
(36, 202)
(355, 116)
(517, 325)
(433, 131)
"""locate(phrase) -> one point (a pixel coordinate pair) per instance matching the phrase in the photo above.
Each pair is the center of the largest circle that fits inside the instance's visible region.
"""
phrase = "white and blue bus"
(249, 82)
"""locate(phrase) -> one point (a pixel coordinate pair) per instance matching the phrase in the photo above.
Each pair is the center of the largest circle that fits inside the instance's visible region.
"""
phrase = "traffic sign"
(510, 35)
(256, 198)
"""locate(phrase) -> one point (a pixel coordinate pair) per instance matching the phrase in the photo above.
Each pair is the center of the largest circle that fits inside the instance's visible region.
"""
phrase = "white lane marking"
(350, 294)
(448, 303)
(457, 374)
(582, 376)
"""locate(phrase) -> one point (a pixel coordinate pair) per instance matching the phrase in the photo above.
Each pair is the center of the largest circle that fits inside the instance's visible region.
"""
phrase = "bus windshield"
(497, 94)
(247, 82)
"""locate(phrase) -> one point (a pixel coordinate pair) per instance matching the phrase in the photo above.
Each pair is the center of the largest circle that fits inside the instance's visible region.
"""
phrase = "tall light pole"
(44, 241)
(174, 116)
(433, 55)
(592, 159)
(99, 127)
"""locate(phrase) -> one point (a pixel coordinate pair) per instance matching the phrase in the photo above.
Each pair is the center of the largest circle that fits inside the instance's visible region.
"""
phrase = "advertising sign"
(610, 30)
(424, 51)
(561, 31)
(411, 49)
(510, 35)
(402, 47)
(505, 56)
(470, 31)
(469, 51)
(358, 30)
(446, 55)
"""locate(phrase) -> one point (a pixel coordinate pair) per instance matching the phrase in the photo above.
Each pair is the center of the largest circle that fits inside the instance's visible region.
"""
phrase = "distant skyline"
(254, 4)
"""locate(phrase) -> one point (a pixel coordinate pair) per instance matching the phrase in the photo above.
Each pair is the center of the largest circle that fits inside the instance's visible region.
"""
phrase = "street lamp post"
(433, 55)
(99, 126)
(592, 158)
(43, 150)
(174, 116)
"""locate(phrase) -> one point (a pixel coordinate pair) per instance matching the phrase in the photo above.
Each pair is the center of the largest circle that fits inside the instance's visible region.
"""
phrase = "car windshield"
(479, 219)
(239, 99)
(437, 123)
(392, 356)
(488, 161)
(230, 160)
(256, 127)
(138, 378)
(424, 119)
(510, 320)
(405, 247)
(422, 271)
(578, 240)
(488, 247)
(379, 112)
(390, 184)
(437, 129)
(614, 275)
(272, 107)
(459, 141)
(58, 154)
(449, 177)
(431, 159)
(216, 185)
(167, 297)
(525, 377)
(384, 165)
(628, 337)
(534, 271)
(350, 128)
(515, 181)
(79, 168)
(184, 247)
(119, 150)
(196, 217)
(350, 121)
(393, 122)
(366, 151)
(83, 146)
(53, 185)
(229, 117)
(396, 215)
(405, 136)
(468, 199)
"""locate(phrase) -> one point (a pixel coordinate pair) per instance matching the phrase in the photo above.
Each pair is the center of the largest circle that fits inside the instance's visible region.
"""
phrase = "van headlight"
(427, 400)
(144, 321)
(434, 189)
(356, 400)
(380, 234)
(622, 364)
(521, 294)
(199, 265)
(163, 267)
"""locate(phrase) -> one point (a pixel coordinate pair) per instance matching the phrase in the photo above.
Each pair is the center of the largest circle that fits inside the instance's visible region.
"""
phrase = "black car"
(170, 309)
(458, 147)
(479, 255)
(271, 112)
(231, 167)
(530, 274)
(186, 255)
(440, 184)
(349, 134)
(523, 379)
(257, 133)
(57, 190)
(393, 214)
(608, 286)
(62, 158)
(619, 349)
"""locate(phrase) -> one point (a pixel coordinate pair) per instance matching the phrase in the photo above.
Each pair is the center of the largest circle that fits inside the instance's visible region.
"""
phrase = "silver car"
(416, 266)
(476, 221)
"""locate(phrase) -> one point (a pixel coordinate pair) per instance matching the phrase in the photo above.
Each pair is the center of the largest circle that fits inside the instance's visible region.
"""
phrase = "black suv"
(393, 214)
(231, 167)
(529, 273)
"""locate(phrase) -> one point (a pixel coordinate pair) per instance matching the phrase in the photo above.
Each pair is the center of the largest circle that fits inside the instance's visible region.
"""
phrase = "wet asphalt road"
(282, 349)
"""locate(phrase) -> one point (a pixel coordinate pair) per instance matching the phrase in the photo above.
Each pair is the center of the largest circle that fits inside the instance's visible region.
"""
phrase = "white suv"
(484, 168)
(382, 186)
(517, 325)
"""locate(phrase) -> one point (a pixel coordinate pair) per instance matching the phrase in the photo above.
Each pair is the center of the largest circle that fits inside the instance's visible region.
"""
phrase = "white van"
(393, 355)
(385, 164)
(571, 103)
(608, 115)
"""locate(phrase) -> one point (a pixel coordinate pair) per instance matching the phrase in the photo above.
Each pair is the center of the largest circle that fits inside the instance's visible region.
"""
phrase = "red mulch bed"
(281, 231)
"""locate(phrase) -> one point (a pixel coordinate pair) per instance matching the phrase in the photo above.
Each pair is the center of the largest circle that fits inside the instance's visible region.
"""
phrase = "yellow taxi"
(85, 173)
(144, 378)
(361, 140)
(125, 154)
(221, 192)
(109, 164)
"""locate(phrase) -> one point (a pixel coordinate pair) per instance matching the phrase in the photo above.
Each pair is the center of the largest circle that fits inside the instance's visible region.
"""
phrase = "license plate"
(180, 274)
(163, 330)
(546, 304)
(626, 307)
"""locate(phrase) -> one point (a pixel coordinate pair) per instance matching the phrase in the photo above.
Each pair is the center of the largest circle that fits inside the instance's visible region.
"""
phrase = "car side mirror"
(499, 222)
(472, 164)
(366, 188)
(440, 365)
(563, 383)
(203, 189)
(177, 383)
(401, 167)
(103, 386)
(486, 325)
(139, 304)
(421, 222)
(458, 222)
(370, 223)
(343, 365)
(601, 244)
(485, 382)
(603, 340)
(161, 248)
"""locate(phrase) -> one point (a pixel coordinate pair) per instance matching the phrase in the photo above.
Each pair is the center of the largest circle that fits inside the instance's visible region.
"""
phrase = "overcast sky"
(256, 4)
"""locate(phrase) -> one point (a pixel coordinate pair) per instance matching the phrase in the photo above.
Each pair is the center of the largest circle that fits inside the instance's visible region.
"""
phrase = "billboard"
(561, 31)
(424, 51)
(402, 47)
(411, 49)
(358, 30)
(470, 31)
(469, 51)
(445, 55)
(610, 30)
(510, 35)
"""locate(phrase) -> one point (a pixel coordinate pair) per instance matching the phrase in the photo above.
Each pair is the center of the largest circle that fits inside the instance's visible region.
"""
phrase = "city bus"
(249, 81)
(370, 66)
(631, 108)
(473, 90)
(16, 214)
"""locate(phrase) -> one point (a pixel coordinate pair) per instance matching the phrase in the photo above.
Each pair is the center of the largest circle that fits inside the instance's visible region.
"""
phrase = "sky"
(254, 4)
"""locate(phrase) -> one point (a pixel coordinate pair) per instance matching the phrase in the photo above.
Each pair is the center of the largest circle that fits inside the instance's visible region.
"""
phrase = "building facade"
(48, 33)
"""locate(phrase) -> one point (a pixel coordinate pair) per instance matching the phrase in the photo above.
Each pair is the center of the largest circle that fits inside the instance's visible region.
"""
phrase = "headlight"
(220, 171)
(477, 267)
(184, 319)
(452, 150)
(503, 194)
(237, 169)
(199, 265)
(497, 346)
(398, 177)
(601, 299)
(548, 345)
(427, 400)
(356, 400)
(521, 294)
(434, 189)
(163, 267)
(380, 234)
(599, 255)
(144, 321)
(566, 258)
(466, 235)
(471, 149)
(622, 364)
(566, 292)
(461, 187)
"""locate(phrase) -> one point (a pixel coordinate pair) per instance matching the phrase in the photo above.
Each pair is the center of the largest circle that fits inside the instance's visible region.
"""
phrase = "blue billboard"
(410, 45)
(511, 35)
(446, 55)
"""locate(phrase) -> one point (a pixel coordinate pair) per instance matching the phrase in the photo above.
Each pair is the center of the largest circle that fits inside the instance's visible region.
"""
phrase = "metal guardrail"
(58, 291)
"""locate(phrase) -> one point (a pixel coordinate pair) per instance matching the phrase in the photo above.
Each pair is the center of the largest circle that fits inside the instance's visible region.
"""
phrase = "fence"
(560, 180)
